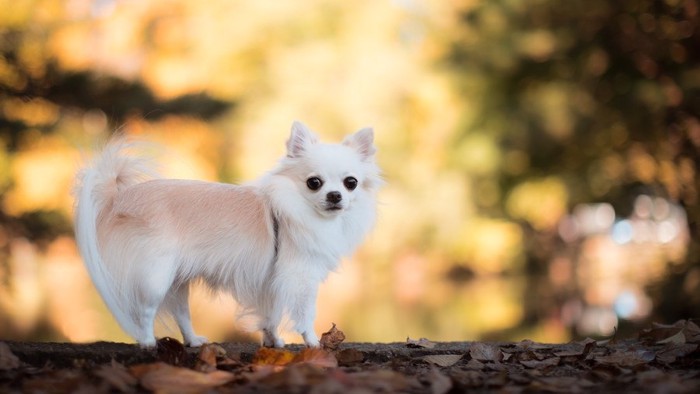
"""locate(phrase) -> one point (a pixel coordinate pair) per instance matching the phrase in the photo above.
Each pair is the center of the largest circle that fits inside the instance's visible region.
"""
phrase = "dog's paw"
(147, 344)
(310, 339)
(273, 342)
(197, 341)
(314, 344)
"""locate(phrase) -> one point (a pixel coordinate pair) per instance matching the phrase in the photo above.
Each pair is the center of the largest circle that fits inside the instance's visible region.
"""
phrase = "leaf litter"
(664, 358)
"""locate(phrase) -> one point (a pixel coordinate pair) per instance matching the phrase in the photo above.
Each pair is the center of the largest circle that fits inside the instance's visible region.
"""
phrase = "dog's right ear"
(300, 140)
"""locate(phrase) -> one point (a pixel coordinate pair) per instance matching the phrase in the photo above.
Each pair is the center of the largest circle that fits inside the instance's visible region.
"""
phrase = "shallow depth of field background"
(540, 156)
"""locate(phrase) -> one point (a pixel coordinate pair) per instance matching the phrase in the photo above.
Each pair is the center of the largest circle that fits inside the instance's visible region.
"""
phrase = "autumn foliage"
(664, 358)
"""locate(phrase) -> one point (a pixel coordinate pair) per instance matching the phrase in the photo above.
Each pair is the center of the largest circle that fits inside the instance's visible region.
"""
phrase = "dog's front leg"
(304, 313)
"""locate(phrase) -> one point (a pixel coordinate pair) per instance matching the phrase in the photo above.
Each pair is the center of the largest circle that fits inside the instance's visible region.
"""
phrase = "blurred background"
(541, 156)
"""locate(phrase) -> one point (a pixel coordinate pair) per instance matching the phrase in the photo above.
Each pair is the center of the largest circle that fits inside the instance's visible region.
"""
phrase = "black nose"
(334, 197)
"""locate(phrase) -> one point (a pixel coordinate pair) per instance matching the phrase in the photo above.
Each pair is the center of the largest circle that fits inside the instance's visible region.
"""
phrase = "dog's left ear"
(363, 142)
(300, 139)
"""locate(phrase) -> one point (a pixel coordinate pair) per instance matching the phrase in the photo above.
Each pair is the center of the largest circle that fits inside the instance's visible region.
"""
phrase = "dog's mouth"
(334, 207)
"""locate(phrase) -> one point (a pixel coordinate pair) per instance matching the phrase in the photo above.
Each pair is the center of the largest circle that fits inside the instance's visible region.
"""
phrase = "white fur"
(143, 241)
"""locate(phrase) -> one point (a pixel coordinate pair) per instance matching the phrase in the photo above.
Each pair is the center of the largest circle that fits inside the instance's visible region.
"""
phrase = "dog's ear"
(363, 142)
(300, 139)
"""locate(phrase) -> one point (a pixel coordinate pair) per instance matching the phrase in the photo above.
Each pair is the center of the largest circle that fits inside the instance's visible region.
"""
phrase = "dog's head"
(332, 176)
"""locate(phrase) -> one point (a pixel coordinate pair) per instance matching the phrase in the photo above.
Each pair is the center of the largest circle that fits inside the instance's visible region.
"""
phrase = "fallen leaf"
(559, 384)
(117, 376)
(271, 356)
(348, 357)
(485, 352)
(385, 381)
(57, 381)
(499, 379)
(467, 378)
(578, 349)
(165, 378)
(332, 339)
(171, 351)
(627, 359)
(420, 343)
(438, 381)
(661, 382)
(7, 359)
(475, 365)
(292, 378)
(538, 364)
(207, 357)
(659, 332)
(692, 332)
(527, 344)
(317, 357)
(442, 360)
(673, 351)
(281, 357)
(677, 339)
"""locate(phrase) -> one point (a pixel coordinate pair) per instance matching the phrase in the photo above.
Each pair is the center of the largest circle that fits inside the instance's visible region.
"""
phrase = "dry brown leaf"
(659, 332)
(117, 376)
(538, 364)
(442, 360)
(627, 359)
(485, 352)
(578, 349)
(560, 384)
(468, 378)
(7, 359)
(207, 357)
(317, 357)
(57, 381)
(527, 344)
(385, 381)
(420, 343)
(677, 339)
(348, 357)
(692, 332)
(475, 365)
(439, 382)
(673, 351)
(165, 378)
(332, 339)
(171, 351)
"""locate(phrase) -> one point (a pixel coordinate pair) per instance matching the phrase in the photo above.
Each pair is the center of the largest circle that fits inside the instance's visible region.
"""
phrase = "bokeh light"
(540, 157)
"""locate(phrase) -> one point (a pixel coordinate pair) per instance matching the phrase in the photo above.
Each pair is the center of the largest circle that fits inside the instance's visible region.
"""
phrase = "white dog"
(269, 242)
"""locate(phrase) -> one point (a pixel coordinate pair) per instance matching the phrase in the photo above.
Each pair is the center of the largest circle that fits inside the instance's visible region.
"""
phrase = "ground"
(663, 358)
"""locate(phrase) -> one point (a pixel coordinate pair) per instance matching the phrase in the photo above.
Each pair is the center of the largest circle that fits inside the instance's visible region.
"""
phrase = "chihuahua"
(269, 242)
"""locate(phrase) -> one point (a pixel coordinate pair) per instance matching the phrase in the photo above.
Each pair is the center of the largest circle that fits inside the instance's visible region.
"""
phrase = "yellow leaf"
(269, 356)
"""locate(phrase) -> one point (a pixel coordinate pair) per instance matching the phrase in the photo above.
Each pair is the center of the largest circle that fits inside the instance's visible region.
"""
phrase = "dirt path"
(663, 359)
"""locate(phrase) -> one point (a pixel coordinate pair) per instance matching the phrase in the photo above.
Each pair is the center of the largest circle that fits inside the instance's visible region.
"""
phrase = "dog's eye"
(314, 183)
(350, 183)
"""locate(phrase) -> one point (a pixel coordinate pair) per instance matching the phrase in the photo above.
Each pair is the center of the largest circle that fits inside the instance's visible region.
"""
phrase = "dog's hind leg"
(177, 303)
(156, 276)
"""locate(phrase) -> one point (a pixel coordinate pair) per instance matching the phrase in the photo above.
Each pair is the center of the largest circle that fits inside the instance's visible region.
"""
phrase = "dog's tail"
(97, 185)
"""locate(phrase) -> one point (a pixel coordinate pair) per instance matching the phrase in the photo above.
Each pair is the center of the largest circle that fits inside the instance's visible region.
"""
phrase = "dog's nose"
(334, 197)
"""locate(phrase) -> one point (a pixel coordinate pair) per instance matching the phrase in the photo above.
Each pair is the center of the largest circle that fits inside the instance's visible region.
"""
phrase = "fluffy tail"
(96, 188)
